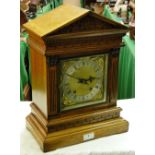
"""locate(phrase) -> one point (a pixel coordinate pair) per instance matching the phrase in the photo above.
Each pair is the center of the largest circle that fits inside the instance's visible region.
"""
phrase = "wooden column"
(52, 85)
(114, 56)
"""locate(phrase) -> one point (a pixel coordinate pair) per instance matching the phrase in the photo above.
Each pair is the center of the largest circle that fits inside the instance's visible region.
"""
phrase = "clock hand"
(83, 80)
(91, 78)
(80, 80)
(72, 76)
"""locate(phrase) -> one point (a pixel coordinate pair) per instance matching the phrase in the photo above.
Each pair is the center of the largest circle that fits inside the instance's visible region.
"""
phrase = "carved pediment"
(89, 22)
(69, 19)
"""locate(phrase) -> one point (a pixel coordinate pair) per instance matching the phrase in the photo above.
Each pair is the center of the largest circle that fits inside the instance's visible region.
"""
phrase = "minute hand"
(80, 80)
(91, 78)
(72, 76)
(83, 80)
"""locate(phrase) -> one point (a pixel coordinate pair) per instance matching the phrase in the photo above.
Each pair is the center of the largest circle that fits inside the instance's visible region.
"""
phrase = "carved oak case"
(74, 65)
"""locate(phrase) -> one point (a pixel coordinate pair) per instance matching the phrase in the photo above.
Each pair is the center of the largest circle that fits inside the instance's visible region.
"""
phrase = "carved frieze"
(85, 121)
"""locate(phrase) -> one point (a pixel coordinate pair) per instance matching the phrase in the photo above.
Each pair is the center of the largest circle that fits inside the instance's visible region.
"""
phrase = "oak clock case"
(74, 68)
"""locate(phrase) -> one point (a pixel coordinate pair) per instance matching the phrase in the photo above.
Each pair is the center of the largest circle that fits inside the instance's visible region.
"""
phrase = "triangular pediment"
(89, 22)
(69, 19)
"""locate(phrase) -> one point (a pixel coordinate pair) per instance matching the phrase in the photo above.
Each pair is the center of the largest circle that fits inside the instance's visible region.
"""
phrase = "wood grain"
(52, 86)
(61, 122)
(39, 80)
(75, 135)
(71, 36)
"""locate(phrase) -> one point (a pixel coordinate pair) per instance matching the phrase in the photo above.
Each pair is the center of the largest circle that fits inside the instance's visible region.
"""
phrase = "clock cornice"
(59, 19)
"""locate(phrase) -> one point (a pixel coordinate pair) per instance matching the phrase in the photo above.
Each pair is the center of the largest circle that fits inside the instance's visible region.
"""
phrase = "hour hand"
(86, 81)
(91, 78)
(83, 81)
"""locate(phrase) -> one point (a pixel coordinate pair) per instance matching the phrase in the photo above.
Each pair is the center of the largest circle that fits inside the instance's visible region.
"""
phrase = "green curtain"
(82, 3)
(107, 13)
(50, 5)
(55, 3)
(126, 74)
(25, 76)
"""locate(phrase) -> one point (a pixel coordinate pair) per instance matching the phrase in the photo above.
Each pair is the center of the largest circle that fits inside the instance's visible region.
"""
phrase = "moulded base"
(53, 140)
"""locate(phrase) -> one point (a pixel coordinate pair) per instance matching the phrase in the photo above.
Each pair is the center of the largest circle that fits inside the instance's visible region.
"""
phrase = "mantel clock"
(74, 66)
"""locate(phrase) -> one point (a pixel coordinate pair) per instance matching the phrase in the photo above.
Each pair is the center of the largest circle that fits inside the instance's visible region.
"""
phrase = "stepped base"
(52, 140)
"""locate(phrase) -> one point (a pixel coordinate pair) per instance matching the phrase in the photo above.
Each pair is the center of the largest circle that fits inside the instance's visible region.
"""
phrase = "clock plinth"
(74, 68)
(65, 131)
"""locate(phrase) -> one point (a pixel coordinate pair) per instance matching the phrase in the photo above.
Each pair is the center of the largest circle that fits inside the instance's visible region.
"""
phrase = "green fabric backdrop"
(107, 13)
(126, 75)
(81, 1)
(25, 77)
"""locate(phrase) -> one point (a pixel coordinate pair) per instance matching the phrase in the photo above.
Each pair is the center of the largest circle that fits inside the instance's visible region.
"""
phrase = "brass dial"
(82, 81)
